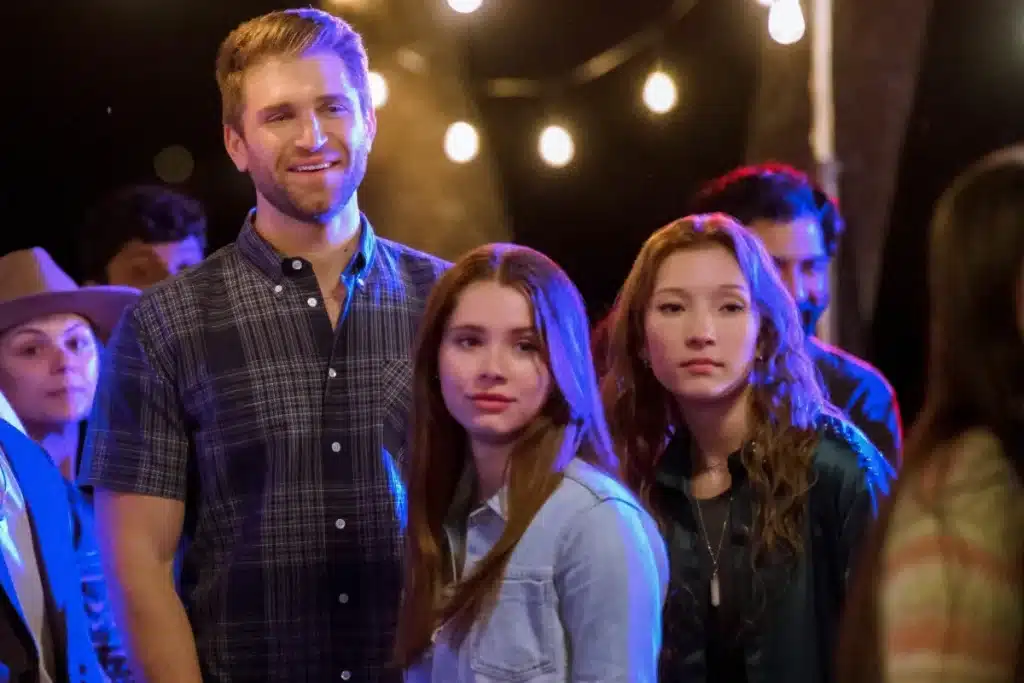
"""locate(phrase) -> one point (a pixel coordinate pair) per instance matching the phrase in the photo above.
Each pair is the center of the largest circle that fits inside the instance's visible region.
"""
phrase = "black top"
(789, 611)
(725, 658)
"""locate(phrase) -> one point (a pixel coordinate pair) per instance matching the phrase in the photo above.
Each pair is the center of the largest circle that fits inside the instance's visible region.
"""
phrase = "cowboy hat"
(32, 285)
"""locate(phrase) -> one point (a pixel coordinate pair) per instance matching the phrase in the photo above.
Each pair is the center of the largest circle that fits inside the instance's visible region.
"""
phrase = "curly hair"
(787, 400)
(772, 192)
(149, 213)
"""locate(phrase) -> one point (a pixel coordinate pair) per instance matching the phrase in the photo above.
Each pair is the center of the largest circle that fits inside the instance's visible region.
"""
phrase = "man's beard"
(810, 313)
(323, 208)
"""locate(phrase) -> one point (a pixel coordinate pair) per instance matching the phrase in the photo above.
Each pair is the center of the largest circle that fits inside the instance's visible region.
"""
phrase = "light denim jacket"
(582, 595)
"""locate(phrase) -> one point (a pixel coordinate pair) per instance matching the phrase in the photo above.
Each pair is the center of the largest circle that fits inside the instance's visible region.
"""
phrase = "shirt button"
(345, 675)
(339, 524)
(336, 447)
(312, 302)
(332, 373)
(296, 264)
(343, 598)
(278, 289)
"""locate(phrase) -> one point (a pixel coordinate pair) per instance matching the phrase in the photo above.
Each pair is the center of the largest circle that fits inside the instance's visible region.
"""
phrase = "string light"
(660, 93)
(786, 24)
(556, 146)
(461, 142)
(465, 6)
(378, 90)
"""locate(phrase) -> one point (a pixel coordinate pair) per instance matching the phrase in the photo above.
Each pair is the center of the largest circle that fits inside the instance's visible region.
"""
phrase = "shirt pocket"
(518, 641)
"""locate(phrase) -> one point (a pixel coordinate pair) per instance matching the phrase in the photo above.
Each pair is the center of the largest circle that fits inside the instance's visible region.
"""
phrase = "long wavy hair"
(975, 366)
(786, 397)
(570, 424)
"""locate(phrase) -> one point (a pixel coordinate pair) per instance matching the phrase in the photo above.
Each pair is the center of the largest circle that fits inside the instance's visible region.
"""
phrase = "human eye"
(669, 307)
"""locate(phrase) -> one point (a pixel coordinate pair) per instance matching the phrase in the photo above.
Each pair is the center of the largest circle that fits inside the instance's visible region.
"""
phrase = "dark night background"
(97, 87)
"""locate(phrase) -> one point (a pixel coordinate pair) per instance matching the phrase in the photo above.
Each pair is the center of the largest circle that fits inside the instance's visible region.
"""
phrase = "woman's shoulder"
(590, 485)
(972, 465)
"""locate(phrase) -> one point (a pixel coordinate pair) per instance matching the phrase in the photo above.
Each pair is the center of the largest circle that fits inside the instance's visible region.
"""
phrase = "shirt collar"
(674, 468)
(464, 503)
(276, 265)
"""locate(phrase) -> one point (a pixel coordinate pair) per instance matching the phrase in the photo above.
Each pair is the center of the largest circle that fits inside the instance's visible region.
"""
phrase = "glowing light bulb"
(786, 24)
(465, 6)
(461, 142)
(556, 146)
(378, 90)
(660, 93)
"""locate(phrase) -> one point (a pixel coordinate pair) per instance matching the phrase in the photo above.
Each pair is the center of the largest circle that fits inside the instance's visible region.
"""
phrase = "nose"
(312, 137)
(60, 361)
(795, 283)
(701, 330)
(492, 365)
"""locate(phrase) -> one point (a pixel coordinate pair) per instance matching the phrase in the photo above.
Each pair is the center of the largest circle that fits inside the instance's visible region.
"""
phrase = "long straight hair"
(975, 366)
(570, 424)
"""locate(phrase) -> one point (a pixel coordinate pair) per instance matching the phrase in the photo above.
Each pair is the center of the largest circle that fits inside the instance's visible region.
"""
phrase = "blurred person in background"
(141, 235)
(801, 227)
(44, 635)
(941, 596)
(50, 330)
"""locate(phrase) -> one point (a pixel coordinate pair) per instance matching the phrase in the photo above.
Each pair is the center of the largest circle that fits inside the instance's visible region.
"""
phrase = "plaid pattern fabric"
(228, 389)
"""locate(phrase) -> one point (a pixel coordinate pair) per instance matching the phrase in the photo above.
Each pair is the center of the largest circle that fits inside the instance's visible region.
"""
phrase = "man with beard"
(801, 226)
(255, 407)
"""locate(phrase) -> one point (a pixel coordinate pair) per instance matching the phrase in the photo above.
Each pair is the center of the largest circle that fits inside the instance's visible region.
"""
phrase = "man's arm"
(136, 459)
(140, 537)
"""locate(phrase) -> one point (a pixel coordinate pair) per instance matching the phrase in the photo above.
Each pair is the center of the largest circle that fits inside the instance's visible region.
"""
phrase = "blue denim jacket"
(582, 595)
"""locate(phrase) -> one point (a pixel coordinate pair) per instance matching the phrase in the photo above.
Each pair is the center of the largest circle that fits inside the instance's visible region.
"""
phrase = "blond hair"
(292, 33)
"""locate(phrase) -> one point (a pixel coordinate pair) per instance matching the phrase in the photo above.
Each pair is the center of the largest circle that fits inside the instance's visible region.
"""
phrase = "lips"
(700, 366)
(491, 398)
(491, 403)
(701, 362)
(313, 167)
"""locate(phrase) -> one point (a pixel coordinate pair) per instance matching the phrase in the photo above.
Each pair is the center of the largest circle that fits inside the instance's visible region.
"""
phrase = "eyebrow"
(480, 329)
(329, 98)
(729, 287)
(39, 332)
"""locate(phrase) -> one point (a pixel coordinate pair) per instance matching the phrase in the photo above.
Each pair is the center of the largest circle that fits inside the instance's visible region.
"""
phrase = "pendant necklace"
(716, 589)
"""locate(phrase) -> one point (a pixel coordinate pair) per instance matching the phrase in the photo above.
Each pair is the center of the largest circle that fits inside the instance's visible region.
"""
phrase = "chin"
(487, 428)
(703, 390)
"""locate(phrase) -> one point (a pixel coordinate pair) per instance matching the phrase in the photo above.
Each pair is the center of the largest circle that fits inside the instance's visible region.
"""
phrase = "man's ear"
(234, 143)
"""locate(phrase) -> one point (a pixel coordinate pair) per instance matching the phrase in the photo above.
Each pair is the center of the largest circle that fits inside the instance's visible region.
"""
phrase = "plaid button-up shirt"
(228, 389)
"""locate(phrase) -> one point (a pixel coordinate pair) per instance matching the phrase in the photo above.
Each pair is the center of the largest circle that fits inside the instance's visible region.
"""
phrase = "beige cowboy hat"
(32, 285)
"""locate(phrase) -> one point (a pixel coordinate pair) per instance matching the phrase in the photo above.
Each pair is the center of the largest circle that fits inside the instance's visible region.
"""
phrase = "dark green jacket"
(791, 612)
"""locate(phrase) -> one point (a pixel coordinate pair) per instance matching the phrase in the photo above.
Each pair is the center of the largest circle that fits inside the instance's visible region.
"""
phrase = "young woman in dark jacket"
(762, 489)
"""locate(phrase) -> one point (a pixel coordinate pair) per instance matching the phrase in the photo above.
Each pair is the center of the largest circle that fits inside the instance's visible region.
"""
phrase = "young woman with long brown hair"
(526, 559)
(762, 489)
(941, 595)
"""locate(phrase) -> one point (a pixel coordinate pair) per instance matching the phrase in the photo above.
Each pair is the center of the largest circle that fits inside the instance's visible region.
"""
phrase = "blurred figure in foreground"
(941, 597)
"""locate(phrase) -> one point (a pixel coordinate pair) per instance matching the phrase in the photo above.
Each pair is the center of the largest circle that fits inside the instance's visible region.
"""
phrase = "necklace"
(716, 589)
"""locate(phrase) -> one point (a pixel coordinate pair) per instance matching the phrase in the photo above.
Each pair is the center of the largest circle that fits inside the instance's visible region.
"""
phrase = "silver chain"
(707, 540)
